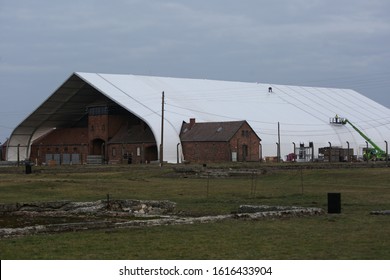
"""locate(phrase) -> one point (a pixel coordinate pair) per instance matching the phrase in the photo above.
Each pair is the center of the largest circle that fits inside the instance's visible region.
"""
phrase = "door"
(98, 147)
(244, 152)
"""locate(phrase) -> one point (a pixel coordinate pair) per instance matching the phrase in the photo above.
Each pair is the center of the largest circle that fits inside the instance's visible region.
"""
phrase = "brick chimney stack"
(192, 122)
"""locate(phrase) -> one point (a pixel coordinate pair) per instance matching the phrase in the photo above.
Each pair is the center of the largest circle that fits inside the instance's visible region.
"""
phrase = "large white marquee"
(302, 113)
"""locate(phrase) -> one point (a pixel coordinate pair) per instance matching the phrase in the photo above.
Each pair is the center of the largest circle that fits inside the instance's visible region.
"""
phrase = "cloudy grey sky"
(331, 43)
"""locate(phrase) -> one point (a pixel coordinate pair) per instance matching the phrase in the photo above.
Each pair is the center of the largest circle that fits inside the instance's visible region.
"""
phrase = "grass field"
(353, 234)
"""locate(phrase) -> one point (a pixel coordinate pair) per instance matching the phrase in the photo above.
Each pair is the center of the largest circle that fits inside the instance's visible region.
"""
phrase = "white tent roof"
(302, 112)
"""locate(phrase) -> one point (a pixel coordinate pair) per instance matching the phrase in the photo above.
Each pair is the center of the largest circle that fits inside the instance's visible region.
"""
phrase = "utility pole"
(162, 131)
(278, 142)
(18, 152)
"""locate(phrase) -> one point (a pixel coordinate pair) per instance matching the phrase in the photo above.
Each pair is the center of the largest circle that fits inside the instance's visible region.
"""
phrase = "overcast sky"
(331, 43)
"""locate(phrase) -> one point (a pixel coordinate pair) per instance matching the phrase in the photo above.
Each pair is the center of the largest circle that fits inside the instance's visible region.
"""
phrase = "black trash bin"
(28, 167)
(334, 203)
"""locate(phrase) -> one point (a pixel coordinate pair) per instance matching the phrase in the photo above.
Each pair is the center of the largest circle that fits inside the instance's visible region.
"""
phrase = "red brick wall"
(206, 151)
(132, 153)
(81, 141)
(222, 151)
(114, 124)
(246, 136)
(98, 127)
(65, 136)
(104, 126)
(60, 141)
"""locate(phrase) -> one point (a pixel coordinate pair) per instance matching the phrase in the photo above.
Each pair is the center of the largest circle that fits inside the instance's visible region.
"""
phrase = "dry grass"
(354, 234)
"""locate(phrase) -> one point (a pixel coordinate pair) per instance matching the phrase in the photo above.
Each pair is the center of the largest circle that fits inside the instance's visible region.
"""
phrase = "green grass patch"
(353, 234)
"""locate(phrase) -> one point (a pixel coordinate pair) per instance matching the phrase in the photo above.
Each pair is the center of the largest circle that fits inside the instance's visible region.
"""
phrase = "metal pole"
(177, 151)
(6, 149)
(387, 153)
(279, 142)
(367, 151)
(261, 152)
(347, 151)
(18, 154)
(312, 151)
(162, 131)
(330, 151)
(295, 155)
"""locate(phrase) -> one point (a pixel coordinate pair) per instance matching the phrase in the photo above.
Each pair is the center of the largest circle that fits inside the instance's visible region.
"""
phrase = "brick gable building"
(106, 134)
(219, 141)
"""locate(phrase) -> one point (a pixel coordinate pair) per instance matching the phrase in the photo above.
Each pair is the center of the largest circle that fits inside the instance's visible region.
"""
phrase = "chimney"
(192, 122)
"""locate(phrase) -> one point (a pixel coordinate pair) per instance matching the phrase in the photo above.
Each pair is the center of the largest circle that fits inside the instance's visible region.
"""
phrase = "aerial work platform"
(337, 120)
(374, 153)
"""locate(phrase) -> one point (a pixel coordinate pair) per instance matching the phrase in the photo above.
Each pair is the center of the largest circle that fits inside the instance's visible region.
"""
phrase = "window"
(245, 133)
(113, 151)
(97, 111)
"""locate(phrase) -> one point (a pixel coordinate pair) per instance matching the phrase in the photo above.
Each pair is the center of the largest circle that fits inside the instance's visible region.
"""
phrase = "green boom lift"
(374, 153)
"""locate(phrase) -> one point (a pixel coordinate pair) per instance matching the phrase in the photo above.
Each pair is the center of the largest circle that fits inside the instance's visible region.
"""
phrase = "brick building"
(219, 141)
(107, 134)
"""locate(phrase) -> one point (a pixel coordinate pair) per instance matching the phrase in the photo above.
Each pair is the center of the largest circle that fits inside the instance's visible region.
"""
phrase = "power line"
(361, 78)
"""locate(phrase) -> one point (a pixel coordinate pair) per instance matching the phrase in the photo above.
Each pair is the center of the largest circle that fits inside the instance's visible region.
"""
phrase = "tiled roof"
(210, 131)
(132, 135)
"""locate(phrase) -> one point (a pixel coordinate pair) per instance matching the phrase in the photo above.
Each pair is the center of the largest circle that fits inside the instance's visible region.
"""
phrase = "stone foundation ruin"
(114, 207)
(61, 216)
